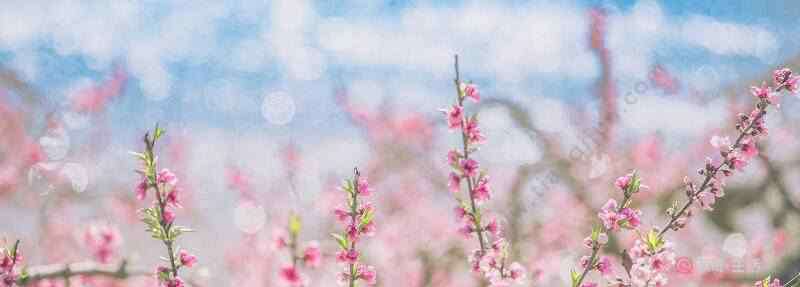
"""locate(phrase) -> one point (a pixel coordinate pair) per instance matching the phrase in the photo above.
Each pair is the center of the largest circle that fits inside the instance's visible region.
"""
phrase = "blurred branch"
(63, 271)
(775, 176)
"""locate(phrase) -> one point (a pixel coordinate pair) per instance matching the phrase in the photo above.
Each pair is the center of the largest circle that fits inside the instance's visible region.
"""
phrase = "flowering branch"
(769, 282)
(311, 256)
(614, 216)
(652, 254)
(735, 156)
(159, 218)
(491, 259)
(359, 220)
(10, 259)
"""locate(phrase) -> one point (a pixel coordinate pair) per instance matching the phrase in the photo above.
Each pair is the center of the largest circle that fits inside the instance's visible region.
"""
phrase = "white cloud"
(652, 113)
(511, 42)
(290, 23)
(729, 38)
(635, 35)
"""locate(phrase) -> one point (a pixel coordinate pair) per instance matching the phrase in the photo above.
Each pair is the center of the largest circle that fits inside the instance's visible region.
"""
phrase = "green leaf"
(341, 240)
(158, 133)
(367, 217)
(636, 182)
(176, 231)
(596, 233)
(140, 156)
(654, 242)
(294, 224)
(575, 276)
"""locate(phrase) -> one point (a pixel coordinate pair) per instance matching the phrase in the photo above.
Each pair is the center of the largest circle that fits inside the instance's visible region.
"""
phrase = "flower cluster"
(9, 259)
(652, 255)
(357, 217)
(733, 155)
(102, 240)
(160, 217)
(614, 217)
(492, 258)
(310, 257)
(770, 282)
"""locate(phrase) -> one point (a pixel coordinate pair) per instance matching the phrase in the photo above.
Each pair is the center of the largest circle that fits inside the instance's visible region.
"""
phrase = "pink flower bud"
(187, 259)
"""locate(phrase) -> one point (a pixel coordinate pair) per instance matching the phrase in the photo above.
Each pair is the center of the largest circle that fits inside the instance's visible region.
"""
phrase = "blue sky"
(212, 65)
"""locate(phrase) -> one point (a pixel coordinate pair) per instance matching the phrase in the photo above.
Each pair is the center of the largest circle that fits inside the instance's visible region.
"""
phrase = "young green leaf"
(341, 240)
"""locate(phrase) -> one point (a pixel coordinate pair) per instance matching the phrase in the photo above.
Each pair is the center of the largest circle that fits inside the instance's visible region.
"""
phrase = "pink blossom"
(589, 284)
(9, 280)
(738, 163)
(623, 181)
(347, 256)
(169, 216)
(748, 148)
(341, 214)
(763, 93)
(102, 240)
(368, 229)
(454, 182)
(608, 214)
(482, 192)
(473, 131)
(363, 186)
(493, 227)
(784, 77)
(352, 232)
(631, 217)
(312, 256)
(453, 157)
(141, 189)
(166, 176)
(472, 92)
(175, 282)
(604, 266)
(292, 276)
(585, 261)
(187, 259)
(466, 230)
(517, 272)
(454, 117)
(470, 167)
(460, 212)
(368, 274)
(172, 198)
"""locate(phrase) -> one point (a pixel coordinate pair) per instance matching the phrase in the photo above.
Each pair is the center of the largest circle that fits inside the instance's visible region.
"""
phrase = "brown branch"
(63, 271)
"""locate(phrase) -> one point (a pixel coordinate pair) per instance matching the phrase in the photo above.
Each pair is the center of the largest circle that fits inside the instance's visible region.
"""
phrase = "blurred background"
(268, 105)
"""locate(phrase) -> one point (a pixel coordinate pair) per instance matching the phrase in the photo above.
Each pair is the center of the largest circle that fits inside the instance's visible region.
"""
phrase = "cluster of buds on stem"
(733, 155)
(492, 258)
(160, 217)
(770, 282)
(357, 217)
(614, 217)
(10, 258)
(311, 256)
(652, 255)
